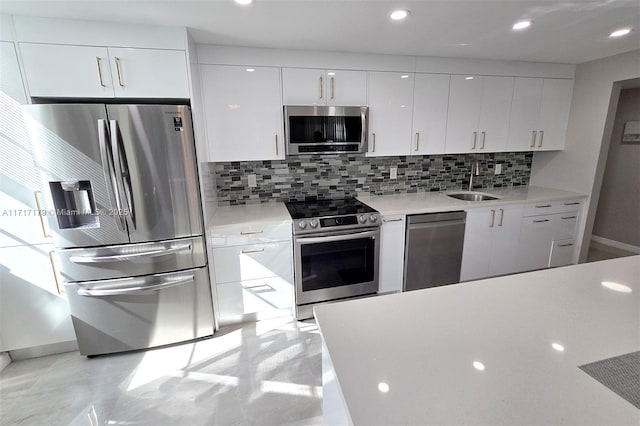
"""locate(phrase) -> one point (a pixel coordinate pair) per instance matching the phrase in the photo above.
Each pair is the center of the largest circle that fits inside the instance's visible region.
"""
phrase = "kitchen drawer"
(566, 225)
(241, 263)
(562, 253)
(252, 296)
(542, 208)
(250, 233)
(568, 206)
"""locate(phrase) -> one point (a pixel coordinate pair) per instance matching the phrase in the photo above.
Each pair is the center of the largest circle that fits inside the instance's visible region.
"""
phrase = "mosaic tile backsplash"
(345, 175)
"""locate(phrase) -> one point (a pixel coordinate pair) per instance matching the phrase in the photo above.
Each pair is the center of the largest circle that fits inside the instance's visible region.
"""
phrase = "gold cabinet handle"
(44, 229)
(100, 81)
(55, 274)
(475, 138)
(250, 232)
(484, 135)
(321, 94)
(533, 139)
(118, 71)
(493, 218)
(541, 138)
(417, 141)
(253, 251)
(333, 87)
(374, 143)
(501, 217)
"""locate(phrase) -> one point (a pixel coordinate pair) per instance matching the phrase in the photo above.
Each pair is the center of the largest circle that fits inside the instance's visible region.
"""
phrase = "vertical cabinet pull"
(541, 138)
(501, 217)
(277, 153)
(493, 218)
(333, 88)
(100, 81)
(55, 274)
(417, 141)
(118, 71)
(321, 94)
(475, 138)
(44, 230)
(374, 142)
(533, 139)
(484, 135)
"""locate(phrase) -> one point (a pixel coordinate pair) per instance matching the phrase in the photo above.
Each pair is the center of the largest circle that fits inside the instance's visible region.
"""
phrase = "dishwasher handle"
(439, 224)
(448, 217)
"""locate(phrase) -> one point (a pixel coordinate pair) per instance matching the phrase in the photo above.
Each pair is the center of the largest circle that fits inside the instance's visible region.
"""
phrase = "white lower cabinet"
(562, 253)
(392, 233)
(489, 240)
(536, 237)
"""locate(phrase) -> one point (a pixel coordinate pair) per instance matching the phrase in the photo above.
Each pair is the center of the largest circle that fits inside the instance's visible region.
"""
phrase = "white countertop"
(250, 213)
(423, 344)
(430, 202)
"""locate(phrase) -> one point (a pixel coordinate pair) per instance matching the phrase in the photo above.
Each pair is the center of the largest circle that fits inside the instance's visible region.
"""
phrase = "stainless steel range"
(336, 251)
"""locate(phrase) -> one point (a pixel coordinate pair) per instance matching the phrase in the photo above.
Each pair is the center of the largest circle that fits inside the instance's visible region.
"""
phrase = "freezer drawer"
(135, 313)
(130, 260)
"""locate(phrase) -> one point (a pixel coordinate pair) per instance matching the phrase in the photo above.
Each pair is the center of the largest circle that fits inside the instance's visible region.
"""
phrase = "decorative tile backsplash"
(345, 175)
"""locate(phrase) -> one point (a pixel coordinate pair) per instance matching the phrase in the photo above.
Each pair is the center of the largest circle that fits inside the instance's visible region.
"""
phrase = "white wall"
(580, 166)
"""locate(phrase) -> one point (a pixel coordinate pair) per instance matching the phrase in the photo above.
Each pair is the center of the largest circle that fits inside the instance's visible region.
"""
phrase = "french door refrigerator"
(122, 202)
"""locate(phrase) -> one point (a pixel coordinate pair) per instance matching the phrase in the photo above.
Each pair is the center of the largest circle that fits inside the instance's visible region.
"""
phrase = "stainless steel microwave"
(325, 129)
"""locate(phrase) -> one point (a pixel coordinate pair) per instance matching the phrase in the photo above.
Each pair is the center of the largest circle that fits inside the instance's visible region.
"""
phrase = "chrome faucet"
(475, 166)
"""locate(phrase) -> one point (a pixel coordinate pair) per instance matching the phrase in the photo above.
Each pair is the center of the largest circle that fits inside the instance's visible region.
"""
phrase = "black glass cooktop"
(324, 208)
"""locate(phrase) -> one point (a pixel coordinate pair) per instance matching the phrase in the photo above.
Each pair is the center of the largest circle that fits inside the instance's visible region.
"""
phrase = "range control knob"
(373, 218)
(313, 223)
(302, 224)
(362, 218)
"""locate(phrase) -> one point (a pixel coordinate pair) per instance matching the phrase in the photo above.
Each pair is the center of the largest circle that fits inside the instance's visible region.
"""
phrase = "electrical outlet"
(498, 169)
(393, 173)
(252, 181)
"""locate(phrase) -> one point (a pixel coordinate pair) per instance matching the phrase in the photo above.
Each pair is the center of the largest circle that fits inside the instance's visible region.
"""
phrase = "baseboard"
(616, 244)
(5, 360)
(44, 350)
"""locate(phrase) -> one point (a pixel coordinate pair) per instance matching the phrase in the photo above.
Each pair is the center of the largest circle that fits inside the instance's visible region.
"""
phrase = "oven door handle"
(330, 238)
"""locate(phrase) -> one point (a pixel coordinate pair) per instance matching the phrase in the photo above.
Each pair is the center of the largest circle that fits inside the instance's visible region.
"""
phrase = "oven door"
(337, 265)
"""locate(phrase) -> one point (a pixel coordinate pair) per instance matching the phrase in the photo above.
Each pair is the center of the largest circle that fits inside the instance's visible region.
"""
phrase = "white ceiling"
(564, 31)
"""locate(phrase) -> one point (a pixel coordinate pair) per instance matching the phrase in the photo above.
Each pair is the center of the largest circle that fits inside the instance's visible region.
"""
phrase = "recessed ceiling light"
(621, 32)
(250, 70)
(478, 365)
(399, 14)
(243, 2)
(521, 25)
(468, 78)
(383, 387)
(404, 76)
(558, 347)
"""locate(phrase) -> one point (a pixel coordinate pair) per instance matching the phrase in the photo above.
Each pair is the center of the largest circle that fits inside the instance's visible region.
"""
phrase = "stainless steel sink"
(472, 196)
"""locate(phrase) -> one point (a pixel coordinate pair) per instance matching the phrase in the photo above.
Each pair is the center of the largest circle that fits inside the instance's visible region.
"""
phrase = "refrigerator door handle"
(108, 166)
(129, 256)
(120, 158)
(139, 289)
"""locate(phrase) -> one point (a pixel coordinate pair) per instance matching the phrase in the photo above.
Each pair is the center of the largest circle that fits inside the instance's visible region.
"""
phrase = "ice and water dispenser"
(74, 204)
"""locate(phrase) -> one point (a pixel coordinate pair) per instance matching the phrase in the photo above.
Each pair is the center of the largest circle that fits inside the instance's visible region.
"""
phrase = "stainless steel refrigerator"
(121, 197)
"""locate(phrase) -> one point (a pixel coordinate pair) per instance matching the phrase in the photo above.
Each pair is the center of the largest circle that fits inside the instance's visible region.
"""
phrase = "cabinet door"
(67, 71)
(430, 103)
(465, 96)
(562, 253)
(149, 73)
(391, 254)
(476, 254)
(243, 112)
(554, 114)
(302, 86)
(346, 88)
(390, 113)
(536, 237)
(11, 81)
(494, 114)
(525, 110)
(32, 312)
(506, 236)
(241, 263)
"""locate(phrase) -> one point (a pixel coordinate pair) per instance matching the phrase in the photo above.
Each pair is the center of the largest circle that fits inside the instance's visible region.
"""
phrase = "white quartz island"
(497, 351)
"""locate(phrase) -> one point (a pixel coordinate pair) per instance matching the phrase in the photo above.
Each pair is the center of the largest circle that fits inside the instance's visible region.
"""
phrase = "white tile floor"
(265, 373)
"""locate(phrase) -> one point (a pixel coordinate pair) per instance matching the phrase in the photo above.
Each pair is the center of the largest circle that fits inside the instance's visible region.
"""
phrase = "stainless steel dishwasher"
(433, 249)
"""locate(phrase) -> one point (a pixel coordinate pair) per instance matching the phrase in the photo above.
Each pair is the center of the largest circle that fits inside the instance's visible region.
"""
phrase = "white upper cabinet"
(149, 73)
(67, 71)
(478, 119)
(430, 102)
(63, 71)
(243, 112)
(554, 113)
(324, 87)
(539, 114)
(390, 113)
